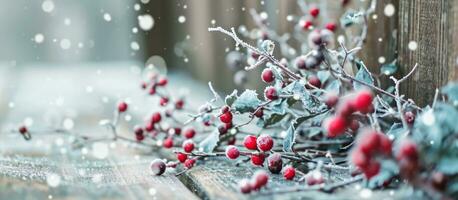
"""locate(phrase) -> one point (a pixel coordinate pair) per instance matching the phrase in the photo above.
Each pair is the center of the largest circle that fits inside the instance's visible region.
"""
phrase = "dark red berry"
(22, 129)
(363, 101)
(259, 113)
(168, 143)
(143, 85)
(335, 126)
(331, 26)
(188, 146)
(226, 117)
(162, 81)
(189, 163)
(158, 167)
(408, 150)
(250, 142)
(331, 100)
(314, 81)
(265, 142)
(156, 117)
(307, 24)
(289, 172)
(232, 152)
(271, 93)
(275, 163)
(179, 104)
(438, 180)
(300, 63)
(122, 107)
(163, 101)
(257, 159)
(138, 130)
(182, 157)
(267, 75)
(372, 169)
(222, 129)
(152, 91)
(231, 140)
(139, 137)
(189, 133)
(314, 11)
(149, 127)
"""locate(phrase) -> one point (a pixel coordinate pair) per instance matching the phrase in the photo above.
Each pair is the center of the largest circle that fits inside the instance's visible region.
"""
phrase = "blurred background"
(59, 33)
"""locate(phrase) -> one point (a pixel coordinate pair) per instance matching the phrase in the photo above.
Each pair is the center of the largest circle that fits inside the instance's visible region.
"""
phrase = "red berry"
(265, 142)
(267, 75)
(354, 125)
(345, 109)
(331, 26)
(385, 144)
(255, 55)
(300, 63)
(245, 186)
(260, 179)
(158, 167)
(307, 24)
(250, 142)
(189, 133)
(314, 11)
(315, 81)
(182, 157)
(189, 163)
(289, 172)
(179, 104)
(22, 129)
(176, 131)
(163, 101)
(359, 159)
(257, 159)
(335, 126)
(222, 129)
(156, 117)
(232, 152)
(372, 169)
(331, 100)
(149, 127)
(139, 137)
(345, 2)
(122, 107)
(228, 125)
(271, 93)
(231, 141)
(409, 117)
(363, 101)
(152, 90)
(168, 143)
(275, 163)
(226, 117)
(408, 150)
(143, 85)
(259, 113)
(162, 81)
(138, 130)
(369, 142)
(188, 146)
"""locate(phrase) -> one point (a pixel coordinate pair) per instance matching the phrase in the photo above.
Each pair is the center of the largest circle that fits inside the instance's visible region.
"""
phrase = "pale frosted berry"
(122, 107)
(331, 100)
(232, 152)
(158, 167)
(300, 63)
(189, 163)
(271, 93)
(289, 172)
(250, 142)
(188, 146)
(275, 163)
(182, 157)
(267, 75)
(179, 104)
(189, 133)
(265, 142)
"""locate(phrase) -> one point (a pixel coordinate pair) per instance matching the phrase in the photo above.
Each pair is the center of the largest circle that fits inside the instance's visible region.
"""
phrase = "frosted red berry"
(156, 117)
(188, 146)
(260, 179)
(331, 26)
(257, 159)
(267, 75)
(271, 93)
(265, 142)
(331, 100)
(245, 186)
(314, 81)
(149, 127)
(225, 109)
(307, 24)
(162, 81)
(369, 142)
(189, 133)
(289, 172)
(408, 150)
(22, 129)
(157, 167)
(122, 107)
(250, 142)
(363, 101)
(314, 11)
(275, 163)
(359, 159)
(226, 117)
(163, 101)
(232, 152)
(189, 163)
(168, 143)
(335, 126)
(182, 157)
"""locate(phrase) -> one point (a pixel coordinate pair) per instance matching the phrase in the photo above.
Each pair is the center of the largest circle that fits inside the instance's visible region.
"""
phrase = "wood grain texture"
(432, 24)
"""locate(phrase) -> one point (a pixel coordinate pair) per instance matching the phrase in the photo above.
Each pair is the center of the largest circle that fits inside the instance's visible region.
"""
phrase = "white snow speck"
(68, 124)
(53, 180)
(152, 191)
(107, 17)
(389, 10)
(413, 45)
(100, 150)
(47, 6)
(144, 1)
(134, 46)
(67, 21)
(146, 22)
(381, 59)
(137, 7)
(182, 19)
(39, 38)
(365, 193)
(65, 44)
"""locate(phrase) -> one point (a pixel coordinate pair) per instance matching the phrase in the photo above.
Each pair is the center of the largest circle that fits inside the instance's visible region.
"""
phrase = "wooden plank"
(25, 165)
(432, 25)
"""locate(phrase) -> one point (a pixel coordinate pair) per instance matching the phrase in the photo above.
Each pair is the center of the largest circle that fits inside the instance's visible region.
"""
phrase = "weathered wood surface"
(50, 94)
(433, 25)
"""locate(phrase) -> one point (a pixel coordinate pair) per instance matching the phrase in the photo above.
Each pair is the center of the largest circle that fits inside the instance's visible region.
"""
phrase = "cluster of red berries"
(154, 83)
(263, 143)
(338, 124)
(407, 156)
(258, 180)
(370, 145)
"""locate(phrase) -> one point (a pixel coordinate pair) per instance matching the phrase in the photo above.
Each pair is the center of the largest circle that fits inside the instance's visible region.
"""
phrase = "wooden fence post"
(432, 27)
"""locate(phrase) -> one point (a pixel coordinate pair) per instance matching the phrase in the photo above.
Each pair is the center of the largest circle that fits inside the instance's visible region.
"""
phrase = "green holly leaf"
(363, 76)
(389, 69)
(231, 98)
(247, 102)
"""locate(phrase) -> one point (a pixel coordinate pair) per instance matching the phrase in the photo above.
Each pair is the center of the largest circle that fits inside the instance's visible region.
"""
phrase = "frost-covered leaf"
(363, 76)
(350, 18)
(388, 170)
(247, 102)
(209, 143)
(334, 87)
(279, 106)
(323, 76)
(288, 142)
(270, 119)
(231, 98)
(389, 69)
(451, 90)
(448, 165)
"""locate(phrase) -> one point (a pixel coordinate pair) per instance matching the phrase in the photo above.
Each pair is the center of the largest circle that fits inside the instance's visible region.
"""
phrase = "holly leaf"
(323, 76)
(389, 69)
(363, 76)
(451, 90)
(230, 99)
(247, 102)
(288, 142)
(269, 120)
(350, 18)
(334, 87)
(209, 143)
